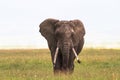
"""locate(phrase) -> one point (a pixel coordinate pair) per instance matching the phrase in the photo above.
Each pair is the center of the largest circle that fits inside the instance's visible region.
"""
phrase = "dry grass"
(97, 64)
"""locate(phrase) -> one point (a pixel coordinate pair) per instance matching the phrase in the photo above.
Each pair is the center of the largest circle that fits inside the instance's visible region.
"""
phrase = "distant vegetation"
(97, 64)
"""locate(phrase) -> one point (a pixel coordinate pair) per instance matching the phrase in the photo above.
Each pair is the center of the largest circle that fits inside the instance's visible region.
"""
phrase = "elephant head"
(65, 40)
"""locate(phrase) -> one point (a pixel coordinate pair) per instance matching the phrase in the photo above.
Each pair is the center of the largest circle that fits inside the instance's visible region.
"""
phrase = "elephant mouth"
(56, 53)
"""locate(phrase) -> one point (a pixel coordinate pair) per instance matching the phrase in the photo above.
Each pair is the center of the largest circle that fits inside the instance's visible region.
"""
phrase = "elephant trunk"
(65, 50)
(65, 56)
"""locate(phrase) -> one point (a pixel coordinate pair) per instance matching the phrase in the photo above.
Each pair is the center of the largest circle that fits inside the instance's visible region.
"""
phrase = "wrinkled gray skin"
(65, 35)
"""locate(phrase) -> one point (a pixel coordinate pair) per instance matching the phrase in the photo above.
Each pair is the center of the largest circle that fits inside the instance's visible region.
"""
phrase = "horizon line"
(85, 47)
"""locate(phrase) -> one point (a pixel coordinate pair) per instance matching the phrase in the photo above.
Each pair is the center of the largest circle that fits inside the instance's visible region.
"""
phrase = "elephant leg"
(78, 49)
(71, 62)
(52, 50)
(57, 67)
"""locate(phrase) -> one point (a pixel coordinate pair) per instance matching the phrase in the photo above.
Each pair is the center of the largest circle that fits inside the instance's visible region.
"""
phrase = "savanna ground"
(97, 64)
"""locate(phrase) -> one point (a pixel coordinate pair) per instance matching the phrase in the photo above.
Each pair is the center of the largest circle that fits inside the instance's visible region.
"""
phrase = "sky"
(20, 19)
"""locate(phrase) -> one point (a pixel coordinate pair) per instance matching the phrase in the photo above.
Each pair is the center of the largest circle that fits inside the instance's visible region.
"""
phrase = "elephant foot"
(57, 71)
(63, 72)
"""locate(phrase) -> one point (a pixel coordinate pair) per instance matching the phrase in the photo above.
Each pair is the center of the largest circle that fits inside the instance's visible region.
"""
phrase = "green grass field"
(97, 64)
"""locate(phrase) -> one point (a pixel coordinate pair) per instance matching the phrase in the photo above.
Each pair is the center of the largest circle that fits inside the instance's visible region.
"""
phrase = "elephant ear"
(79, 31)
(47, 29)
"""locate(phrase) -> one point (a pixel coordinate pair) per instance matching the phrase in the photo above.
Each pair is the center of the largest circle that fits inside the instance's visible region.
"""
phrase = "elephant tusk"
(76, 55)
(55, 56)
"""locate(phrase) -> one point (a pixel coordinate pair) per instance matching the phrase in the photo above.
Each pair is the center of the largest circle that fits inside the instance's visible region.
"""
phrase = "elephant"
(65, 41)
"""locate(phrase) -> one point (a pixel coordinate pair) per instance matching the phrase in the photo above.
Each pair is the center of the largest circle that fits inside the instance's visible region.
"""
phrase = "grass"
(97, 64)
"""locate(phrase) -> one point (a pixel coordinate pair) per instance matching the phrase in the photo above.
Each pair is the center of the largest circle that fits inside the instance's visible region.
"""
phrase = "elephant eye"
(58, 35)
